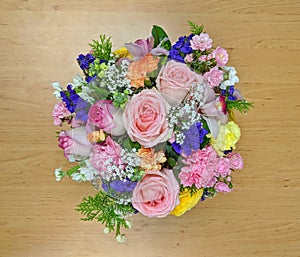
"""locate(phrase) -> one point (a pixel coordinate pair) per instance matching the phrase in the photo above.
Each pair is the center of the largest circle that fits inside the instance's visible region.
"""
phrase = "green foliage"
(104, 209)
(102, 49)
(241, 105)
(193, 189)
(160, 36)
(129, 145)
(205, 139)
(195, 29)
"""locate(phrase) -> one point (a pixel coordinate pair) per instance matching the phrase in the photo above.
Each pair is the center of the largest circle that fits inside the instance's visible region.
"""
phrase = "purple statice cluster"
(181, 48)
(194, 137)
(82, 109)
(119, 186)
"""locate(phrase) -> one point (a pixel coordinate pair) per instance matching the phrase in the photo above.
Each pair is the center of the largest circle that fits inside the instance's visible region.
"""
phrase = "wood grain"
(39, 43)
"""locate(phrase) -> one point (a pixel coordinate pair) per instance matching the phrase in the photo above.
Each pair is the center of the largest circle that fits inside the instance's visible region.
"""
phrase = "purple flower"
(181, 48)
(119, 186)
(123, 186)
(70, 98)
(82, 109)
(194, 137)
(85, 60)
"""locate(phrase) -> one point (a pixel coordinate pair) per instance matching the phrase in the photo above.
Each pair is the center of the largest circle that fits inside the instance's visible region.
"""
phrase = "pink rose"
(213, 77)
(175, 80)
(223, 167)
(105, 155)
(156, 195)
(59, 113)
(104, 115)
(75, 144)
(145, 118)
(222, 187)
(236, 161)
(201, 42)
(221, 56)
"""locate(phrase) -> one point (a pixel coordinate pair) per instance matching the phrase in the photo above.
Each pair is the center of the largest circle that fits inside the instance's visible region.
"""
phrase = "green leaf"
(159, 35)
(129, 145)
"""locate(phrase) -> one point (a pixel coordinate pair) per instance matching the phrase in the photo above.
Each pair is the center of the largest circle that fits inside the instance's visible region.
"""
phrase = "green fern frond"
(195, 29)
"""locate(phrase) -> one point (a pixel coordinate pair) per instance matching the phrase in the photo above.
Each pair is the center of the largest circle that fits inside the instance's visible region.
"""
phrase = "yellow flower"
(187, 201)
(123, 53)
(229, 135)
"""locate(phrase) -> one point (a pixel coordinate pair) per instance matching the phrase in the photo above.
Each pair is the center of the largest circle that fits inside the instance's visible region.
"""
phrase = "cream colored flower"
(151, 160)
(96, 136)
(228, 136)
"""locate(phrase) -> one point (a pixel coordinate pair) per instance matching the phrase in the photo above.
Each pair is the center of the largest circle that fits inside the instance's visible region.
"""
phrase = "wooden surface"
(39, 41)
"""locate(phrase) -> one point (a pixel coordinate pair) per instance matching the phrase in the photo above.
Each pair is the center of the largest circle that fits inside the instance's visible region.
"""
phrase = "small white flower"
(78, 177)
(88, 171)
(232, 78)
(128, 224)
(121, 238)
(57, 88)
(59, 174)
(77, 81)
(106, 230)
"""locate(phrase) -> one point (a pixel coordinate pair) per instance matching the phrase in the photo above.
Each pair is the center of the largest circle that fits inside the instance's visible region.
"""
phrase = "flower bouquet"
(152, 126)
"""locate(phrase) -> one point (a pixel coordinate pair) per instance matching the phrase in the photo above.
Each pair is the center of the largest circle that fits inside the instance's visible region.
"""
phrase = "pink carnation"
(60, 112)
(221, 56)
(104, 155)
(201, 42)
(222, 187)
(200, 168)
(236, 161)
(223, 167)
(213, 77)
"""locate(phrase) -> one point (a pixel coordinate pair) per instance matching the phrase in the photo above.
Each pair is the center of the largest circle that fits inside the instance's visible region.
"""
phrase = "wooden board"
(39, 43)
